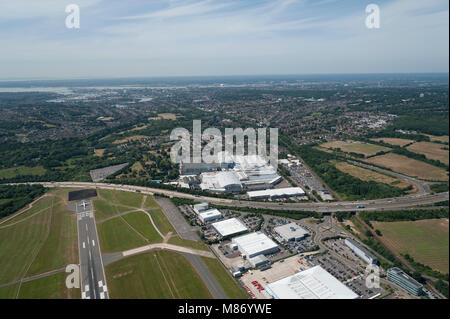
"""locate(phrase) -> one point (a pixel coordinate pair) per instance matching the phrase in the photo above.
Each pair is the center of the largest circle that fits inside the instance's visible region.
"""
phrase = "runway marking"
(84, 245)
(102, 295)
(86, 288)
(100, 283)
(86, 227)
(93, 242)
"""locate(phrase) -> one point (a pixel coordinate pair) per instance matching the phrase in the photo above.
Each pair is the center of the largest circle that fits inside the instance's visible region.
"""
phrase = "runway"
(93, 281)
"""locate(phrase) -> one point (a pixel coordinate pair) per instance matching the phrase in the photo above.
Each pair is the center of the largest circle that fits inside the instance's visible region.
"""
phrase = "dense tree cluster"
(13, 198)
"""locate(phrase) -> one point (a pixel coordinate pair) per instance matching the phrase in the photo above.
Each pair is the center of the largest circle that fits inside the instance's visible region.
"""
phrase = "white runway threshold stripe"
(84, 245)
(93, 242)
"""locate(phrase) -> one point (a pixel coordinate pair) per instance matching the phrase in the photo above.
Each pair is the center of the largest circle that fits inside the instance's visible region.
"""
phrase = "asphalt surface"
(378, 204)
(93, 281)
(209, 280)
(175, 217)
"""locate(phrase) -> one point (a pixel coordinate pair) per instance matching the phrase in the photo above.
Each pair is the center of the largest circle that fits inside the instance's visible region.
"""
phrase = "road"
(93, 281)
(378, 204)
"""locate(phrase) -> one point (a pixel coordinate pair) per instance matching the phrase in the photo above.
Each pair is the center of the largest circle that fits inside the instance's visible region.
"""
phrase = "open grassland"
(22, 170)
(161, 221)
(409, 166)
(128, 199)
(369, 175)
(393, 141)
(176, 240)
(141, 223)
(155, 275)
(51, 287)
(103, 209)
(224, 278)
(427, 241)
(432, 151)
(365, 149)
(444, 139)
(130, 139)
(40, 241)
(9, 292)
(116, 235)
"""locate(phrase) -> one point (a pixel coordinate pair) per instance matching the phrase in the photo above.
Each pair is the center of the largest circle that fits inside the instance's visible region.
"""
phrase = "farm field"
(433, 151)
(427, 241)
(369, 175)
(393, 141)
(444, 139)
(229, 285)
(155, 275)
(409, 166)
(39, 240)
(365, 149)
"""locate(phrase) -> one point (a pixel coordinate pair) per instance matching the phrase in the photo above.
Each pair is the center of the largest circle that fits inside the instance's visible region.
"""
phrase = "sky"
(152, 38)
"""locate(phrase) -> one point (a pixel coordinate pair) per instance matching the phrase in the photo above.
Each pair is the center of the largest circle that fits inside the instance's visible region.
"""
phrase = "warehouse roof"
(289, 191)
(254, 243)
(229, 227)
(313, 283)
(291, 230)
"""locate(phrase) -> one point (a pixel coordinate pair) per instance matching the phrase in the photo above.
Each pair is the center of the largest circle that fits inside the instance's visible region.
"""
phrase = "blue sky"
(220, 37)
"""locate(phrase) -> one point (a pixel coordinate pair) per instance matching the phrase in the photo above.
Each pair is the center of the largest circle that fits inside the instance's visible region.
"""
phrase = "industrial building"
(360, 251)
(254, 244)
(291, 232)
(399, 277)
(229, 227)
(313, 283)
(209, 215)
(197, 168)
(258, 261)
(198, 208)
(276, 193)
(238, 173)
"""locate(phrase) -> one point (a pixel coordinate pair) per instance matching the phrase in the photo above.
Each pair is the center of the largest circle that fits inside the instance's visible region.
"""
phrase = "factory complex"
(313, 283)
(229, 227)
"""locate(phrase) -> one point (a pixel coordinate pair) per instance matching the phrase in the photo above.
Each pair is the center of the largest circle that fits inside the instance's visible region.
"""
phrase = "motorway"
(377, 204)
(93, 281)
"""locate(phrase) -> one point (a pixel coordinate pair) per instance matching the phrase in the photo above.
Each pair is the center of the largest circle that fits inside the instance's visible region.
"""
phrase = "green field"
(116, 235)
(155, 275)
(427, 240)
(229, 285)
(129, 199)
(161, 221)
(141, 222)
(22, 170)
(51, 287)
(38, 241)
(176, 240)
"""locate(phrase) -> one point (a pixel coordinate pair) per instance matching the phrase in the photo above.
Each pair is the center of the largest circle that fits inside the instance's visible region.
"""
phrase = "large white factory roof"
(210, 214)
(313, 283)
(278, 192)
(291, 231)
(254, 243)
(226, 179)
(229, 227)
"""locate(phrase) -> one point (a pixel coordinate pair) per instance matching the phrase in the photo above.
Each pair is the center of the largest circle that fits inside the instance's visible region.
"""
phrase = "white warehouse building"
(229, 227)
(361, 251)
(209, 215)
(291, 232)
(312, 283)
(276, 193)
(254, 244)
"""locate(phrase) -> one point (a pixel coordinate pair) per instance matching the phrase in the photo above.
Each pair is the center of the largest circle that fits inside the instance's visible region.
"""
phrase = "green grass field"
(229, 285)
(427, 241)
(51, 287)
(116, 235)
(176, 240)
(38, 242)
(161, 221)
(22, 170)
(9, 292)
(129, 199)
(155, 275)
(141, 222)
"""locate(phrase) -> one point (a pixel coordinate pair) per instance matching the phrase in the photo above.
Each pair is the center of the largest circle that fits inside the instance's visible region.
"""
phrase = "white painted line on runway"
(84, 245)
(86, 288)
(93, 242)
(102, 295)
(100, 283)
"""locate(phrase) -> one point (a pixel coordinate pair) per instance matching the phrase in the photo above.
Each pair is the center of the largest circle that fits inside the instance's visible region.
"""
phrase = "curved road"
(378, 204)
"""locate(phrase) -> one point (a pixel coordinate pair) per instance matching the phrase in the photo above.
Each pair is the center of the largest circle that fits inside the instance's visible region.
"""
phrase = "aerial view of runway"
(93, 282)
